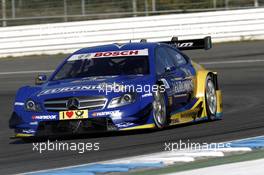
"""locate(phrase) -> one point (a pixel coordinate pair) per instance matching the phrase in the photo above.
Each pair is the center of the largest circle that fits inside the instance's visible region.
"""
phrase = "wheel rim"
(159, 109)
(211, 97)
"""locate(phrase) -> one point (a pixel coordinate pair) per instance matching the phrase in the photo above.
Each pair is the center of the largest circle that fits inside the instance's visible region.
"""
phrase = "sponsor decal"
(166, 84)
(147, 95)
(117, 53)
(28, 131)
(189, 44)
(115, 115)
(124, 125)
(183, 86)
(19, 104)
(33, 123)
(69, 89)
(77, 114)
(143, 52)
(44, 117)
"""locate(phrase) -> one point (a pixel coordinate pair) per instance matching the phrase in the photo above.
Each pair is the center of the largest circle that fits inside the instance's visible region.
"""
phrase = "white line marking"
(203, 63)
(198, 154)
(242, 168)
(235, 149)
(231, 62)
(167, 160)
(26, 72)
(166, 157)
(248, 138)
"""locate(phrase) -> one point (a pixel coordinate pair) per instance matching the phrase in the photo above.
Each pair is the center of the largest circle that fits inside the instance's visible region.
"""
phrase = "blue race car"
(119, 87)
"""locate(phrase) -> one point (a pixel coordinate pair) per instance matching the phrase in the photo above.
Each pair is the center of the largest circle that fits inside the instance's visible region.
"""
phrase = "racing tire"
(210, 98)
(159, 110)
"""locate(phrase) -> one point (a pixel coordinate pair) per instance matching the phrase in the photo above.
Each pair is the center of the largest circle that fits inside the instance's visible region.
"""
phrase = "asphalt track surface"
(240, 67)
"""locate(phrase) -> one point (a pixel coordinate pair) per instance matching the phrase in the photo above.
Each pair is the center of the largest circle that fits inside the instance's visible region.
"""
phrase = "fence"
(66, 37)
(24, 12)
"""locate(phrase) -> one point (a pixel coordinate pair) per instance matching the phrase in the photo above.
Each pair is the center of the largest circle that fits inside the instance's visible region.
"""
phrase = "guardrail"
(57, 38)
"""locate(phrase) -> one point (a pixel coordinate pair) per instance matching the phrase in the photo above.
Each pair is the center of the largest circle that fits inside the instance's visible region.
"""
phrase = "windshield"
(107, 66)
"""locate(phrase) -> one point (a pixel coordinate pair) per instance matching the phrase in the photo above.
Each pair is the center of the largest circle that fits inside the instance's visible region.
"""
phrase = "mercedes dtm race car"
(119, 87)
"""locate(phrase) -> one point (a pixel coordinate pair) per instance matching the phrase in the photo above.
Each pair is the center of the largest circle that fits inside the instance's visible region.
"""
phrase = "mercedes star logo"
(73, 104)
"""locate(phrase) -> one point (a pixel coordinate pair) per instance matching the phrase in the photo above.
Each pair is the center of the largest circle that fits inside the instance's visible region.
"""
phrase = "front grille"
(68, 127)
(90, 103)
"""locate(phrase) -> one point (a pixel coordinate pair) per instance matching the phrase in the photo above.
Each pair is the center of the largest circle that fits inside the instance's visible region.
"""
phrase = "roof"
(117, 47)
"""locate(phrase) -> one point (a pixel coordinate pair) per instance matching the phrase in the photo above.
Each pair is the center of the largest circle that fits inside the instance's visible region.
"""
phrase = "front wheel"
(210, 97)
(159, 110)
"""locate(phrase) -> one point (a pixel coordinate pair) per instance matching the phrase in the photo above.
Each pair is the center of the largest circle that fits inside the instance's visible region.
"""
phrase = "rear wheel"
(210, 97)
(159, 110)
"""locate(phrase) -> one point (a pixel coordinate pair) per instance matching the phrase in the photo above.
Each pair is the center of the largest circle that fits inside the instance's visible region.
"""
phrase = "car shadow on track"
(102, 134)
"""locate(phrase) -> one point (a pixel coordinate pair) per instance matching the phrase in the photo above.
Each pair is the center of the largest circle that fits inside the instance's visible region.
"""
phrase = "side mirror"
(40, 79)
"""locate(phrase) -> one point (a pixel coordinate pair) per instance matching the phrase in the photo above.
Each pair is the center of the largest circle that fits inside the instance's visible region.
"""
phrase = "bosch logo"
(117, 53)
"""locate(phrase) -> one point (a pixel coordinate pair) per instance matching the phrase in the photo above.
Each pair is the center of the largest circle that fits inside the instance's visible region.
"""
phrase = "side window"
(167, 58)
(162, 60)
(159, 63)
(177, 57)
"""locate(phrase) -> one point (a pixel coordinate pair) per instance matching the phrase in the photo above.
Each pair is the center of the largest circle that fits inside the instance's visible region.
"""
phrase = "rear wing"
(191, 44)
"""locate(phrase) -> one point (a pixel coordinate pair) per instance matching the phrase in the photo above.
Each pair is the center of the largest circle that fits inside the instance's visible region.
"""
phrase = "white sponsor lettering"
(115, 115)
(183, 86)
(143, 52)
(44, 117)
(185, 44)
(124, 125)
(19, 104)
(69, 89)
(28, 131)
(104, 113)
(147, 95)
(33, 123)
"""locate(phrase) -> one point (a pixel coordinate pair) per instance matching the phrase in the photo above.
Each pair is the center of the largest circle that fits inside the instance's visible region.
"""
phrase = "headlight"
(30, 105)
(122, 100)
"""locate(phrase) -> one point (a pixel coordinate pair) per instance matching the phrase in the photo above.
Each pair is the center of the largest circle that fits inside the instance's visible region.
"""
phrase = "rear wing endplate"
(191, 44)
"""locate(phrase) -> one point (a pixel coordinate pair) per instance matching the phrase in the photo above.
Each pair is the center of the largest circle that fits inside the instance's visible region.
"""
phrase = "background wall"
(231, 25)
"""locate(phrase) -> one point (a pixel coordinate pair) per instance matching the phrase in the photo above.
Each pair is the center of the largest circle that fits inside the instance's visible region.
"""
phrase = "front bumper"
(139, 120)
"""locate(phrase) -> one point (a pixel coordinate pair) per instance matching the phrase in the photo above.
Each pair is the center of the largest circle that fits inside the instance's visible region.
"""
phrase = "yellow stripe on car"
(23, 135)
(140, 127)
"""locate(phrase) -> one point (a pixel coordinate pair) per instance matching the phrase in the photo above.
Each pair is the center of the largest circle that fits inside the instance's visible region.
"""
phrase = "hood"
(93, 86)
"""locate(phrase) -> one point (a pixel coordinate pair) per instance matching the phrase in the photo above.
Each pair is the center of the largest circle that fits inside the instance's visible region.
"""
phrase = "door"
(174, 77)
